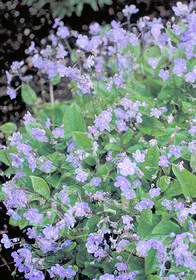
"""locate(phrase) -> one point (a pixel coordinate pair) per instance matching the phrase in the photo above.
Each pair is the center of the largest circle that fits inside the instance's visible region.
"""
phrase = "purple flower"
(138, 156)
(32, 162)
(173, 277)
(181, 9)
(121, 266)
(5, 240)
(121, 125)
(128, 194)
(15, 138)
(107, 276)
(156, 113)
(63, 32)
(95, 181)
(33, 216)
(14, 215)
(192, 130)
(102, 120)
(122, 182)
(121, 245)
(133, 39)
(47, 166)
(58, 132)
(39, 134)
(163, 161)
(28, 118)
(51, 232)
(142, 248)
(154, 192)
(83, 42)
(143, 204)
(164, 74)
(69, 220)
(94, 28)
(81, 175)
(153, 62)
(190, 77)
(62, 272)
(11, 93)
(167, 204)
(16, 160)
(127, 167)
(23, 148)
(174, 150)
(129, 10)
(9, 77)
(179, 66)
(121, 114)
(81, 209)
(64, 196)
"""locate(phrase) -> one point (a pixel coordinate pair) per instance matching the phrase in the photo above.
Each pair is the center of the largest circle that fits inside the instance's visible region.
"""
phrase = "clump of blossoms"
(105, 186)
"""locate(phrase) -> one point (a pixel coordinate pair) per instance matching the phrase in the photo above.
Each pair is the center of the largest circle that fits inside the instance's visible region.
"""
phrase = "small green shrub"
(61, 8)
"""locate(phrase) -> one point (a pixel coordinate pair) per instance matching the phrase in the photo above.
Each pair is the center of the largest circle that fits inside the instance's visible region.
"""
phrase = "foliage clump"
(104, 184)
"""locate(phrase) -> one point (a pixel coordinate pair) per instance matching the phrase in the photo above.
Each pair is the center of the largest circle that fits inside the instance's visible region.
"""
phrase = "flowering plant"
(105, 184)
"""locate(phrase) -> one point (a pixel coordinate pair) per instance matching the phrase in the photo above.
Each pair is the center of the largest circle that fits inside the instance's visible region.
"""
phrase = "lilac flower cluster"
(79, 199)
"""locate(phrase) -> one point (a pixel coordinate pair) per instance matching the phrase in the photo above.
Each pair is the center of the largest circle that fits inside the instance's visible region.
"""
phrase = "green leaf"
(113, 147)
(127, 136)
(150, 165)
(146, 217)
(74, 56)
(174, 189)
(151, 126)
(70, 247)
(193, 161)
(165, 228)
(28, 94)
(154, 277)
(82, 141)
(144, 230)
(56, 79)
(164, 183)
(151, 261)
(40, 186)
(187, 181)
(73, 120)
(165, 93)
(8, 128)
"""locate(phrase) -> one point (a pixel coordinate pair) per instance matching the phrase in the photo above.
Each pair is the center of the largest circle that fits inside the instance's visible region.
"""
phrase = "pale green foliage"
(61, 8)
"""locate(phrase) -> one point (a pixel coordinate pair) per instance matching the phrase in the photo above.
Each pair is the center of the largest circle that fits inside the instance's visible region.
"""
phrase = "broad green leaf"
(73, 120)
(193, 161)
(127, 136)
(174, 189)
(165, 228)
(154, 277)
(28, 94)
(113, 147)
(164, 183)
(165, 93)
(144, 230)
(56, 79)
(151, 261)
(70, 247)
(187, 181)
(145, 217)
(40, 186)
(150, 165)
(8, 128)
(5, 158)
(152, 126)
(82, 141)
